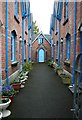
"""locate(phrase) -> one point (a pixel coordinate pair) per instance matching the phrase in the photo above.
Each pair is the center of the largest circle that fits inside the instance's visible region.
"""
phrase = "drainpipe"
(22, 39)
(59, 44)
(0, 60)
(52, 49)
(7, 80)
(75, 3)
(29, 34)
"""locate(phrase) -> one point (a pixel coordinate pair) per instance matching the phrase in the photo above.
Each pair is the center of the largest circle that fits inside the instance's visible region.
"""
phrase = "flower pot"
(16, 86)
(3, 107)
(65, 79)
(0, 115)
(59, 72)
(11, 97)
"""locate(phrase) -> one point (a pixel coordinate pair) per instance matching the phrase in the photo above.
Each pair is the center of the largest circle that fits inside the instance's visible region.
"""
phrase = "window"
(57, 50)
(16, 9)
(25, 50)
(13, 46)
(56, 27)
(66, 11)
(40, 41)
(68, 40)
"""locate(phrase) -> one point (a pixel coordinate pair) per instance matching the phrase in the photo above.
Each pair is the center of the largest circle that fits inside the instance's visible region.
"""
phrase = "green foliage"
(15, 81)
(50, 62)
(8, 91)
(58, 68)
(4, 100)
(35, 28)
(66, 79)
(27, 66)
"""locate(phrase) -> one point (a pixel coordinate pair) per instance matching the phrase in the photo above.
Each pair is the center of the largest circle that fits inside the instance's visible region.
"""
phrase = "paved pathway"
(44, 96)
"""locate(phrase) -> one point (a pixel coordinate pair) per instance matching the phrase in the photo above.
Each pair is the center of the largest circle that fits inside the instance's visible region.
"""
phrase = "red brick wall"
(12, 25)
(69, 28)
(35, 51)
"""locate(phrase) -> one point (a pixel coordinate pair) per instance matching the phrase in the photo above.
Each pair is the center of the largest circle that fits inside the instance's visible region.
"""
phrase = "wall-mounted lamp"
(61, 40)
(54, 44)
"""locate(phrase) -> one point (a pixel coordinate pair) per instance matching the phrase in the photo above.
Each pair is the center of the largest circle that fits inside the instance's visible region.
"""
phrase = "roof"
(36, 36)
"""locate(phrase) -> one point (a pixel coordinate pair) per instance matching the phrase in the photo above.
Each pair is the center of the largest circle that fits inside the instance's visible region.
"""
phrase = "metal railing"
(77, 100)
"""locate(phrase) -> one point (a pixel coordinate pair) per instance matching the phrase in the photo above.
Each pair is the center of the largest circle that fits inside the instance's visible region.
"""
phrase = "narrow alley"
(44, 96)
(40, 59)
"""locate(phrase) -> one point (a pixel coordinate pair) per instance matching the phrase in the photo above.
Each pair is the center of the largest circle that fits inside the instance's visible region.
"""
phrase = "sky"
(42, 10)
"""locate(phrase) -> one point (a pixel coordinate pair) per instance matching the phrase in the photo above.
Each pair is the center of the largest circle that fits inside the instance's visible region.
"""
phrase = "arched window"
(68, 43)
(13, 46)
(66, 10)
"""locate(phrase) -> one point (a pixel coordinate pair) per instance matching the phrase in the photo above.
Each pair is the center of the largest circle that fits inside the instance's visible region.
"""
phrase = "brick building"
(41, 47)
(13, 37)
(66, 32)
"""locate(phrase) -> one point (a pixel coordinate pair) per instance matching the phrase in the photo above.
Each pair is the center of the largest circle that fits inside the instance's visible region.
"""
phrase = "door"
(41, 55)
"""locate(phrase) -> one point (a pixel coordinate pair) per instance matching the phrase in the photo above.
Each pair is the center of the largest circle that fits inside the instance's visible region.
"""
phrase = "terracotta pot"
(16, 86)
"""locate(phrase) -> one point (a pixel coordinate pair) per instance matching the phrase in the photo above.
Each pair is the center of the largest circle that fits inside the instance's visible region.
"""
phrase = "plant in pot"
(8, 92)
(27, 67)
(66, 79)
(4, 103)
(16, 85)
(50, 63)
(58, 70)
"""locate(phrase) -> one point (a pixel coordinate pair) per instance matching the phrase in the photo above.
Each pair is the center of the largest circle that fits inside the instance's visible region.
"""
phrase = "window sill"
(14, 63)
(65, 21)
(67, 63)
(17, 19)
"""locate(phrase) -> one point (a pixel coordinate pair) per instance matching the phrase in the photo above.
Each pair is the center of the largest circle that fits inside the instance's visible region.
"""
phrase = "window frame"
(66, 11)
(13, 46)
(68, 43)
(40, 41)
(24, 49)
(16, 10)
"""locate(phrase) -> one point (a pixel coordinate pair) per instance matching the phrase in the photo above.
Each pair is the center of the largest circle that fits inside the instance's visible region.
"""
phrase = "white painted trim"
(38, 37)
(11, 77)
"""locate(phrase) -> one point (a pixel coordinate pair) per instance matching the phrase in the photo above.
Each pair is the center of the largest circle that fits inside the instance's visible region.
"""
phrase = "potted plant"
(50, 63)
(16, 85)
(58, 70)
(27, 67)
(8, 91)
(4, 103)
(66, 79)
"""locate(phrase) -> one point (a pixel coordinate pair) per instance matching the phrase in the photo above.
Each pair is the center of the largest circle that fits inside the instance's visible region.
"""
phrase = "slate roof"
(35, 35)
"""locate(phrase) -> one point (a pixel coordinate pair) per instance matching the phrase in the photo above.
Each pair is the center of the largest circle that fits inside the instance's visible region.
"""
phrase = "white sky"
(42, 10)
